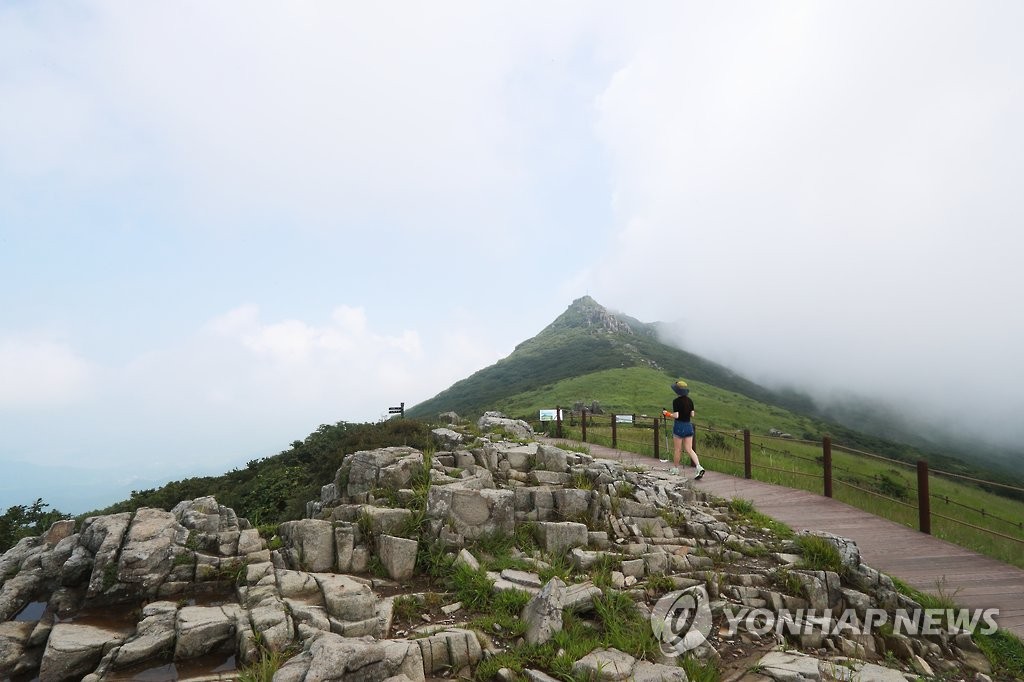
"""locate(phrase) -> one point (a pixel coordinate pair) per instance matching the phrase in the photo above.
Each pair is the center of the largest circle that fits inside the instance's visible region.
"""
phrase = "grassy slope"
(646, 391)
(642, 390)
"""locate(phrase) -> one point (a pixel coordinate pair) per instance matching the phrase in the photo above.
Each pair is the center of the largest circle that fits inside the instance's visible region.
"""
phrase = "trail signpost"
(400, 410)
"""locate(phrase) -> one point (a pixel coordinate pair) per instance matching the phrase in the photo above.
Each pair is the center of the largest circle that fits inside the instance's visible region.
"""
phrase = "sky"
(224, 224)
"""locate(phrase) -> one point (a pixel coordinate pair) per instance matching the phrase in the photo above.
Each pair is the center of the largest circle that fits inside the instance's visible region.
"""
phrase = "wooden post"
(657, 452)
(924, 505)
(826, 450)
(558, 422)
(615, 441)
(583, 414)
(747, 465)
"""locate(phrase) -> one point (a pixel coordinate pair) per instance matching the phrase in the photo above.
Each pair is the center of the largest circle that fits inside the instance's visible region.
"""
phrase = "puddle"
(218, 598)
(117, 618)
(32, 612)
(204, 666)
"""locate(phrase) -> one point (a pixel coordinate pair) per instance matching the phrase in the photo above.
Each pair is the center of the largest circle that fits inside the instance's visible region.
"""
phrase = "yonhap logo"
(681, 620)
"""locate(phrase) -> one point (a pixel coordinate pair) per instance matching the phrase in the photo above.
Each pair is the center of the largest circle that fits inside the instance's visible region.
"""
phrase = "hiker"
(682, 431)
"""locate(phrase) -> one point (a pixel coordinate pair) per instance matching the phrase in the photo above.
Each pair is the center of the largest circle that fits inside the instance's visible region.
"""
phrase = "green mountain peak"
(586, 338)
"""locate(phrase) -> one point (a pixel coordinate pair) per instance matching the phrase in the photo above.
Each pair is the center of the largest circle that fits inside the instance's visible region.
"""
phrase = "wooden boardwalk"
(922, 561)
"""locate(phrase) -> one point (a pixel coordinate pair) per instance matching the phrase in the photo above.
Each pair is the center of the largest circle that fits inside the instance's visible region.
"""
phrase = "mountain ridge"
(588, 338)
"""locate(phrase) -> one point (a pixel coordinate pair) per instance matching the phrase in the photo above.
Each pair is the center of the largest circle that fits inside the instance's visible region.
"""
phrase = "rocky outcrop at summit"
(341, 594)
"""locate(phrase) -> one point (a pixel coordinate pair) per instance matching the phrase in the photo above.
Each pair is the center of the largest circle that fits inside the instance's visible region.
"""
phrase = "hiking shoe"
(700, 474)
(674, 471)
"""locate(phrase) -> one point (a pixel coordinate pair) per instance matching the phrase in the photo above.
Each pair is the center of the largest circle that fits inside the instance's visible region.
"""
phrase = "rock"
(538, 676)
(102, 537)
(970, 654)
(598, 539)
(393, 468)
(473, 513)
(204, 629)
(313, 541)
(605, 664)
(867, 672)
(848, 550)
(646, 671)
(273, 621)
(582, 560)
(559, 538)
(72, 650)
(447, 439)
(785, 665)
(634, 568)
(344, 545)
(297, 585)
(922, 667)
(17, 592)
(496, 420)
(538, 477)
(551, 458)
(900, 646)
(580, 597)
(387, 521)
(466, 558)
(398, 556)
(543, 613)
(451, 649)
(345, 598)
(146, 558)
(153, 635)
(204, 515)
(525, 580)
(59, 531)
(14, 637)
(332, 657)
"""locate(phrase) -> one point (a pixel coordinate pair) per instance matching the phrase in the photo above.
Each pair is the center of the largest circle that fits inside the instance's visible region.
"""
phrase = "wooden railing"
(644, 434)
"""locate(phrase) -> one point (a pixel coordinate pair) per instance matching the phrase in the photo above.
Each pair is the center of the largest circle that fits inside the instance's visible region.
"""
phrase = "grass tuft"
(819, 554)
(1005, 652)
(472, 588)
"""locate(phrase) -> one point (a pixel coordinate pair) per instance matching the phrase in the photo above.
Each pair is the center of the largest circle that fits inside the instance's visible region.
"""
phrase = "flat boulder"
(605, 664)
(473, 513)
(73, 650)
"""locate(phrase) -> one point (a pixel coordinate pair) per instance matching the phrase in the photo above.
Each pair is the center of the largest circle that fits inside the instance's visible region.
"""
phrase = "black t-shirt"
(684, 406)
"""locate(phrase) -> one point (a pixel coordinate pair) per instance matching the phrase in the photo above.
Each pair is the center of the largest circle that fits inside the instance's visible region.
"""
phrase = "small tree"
(21, 521)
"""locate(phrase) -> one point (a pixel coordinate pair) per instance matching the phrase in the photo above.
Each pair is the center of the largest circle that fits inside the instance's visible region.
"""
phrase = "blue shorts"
(682, 429)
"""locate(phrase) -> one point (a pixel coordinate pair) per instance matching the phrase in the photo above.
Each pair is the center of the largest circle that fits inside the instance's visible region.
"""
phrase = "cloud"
(821, 196)
(40, 373)
(322, 114)
(240, 386)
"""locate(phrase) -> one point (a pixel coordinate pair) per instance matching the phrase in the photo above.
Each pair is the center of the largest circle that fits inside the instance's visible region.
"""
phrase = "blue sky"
(223, 224)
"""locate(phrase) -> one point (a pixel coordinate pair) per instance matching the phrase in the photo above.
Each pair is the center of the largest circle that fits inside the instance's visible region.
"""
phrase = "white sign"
(623, 419)
(548, 415)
